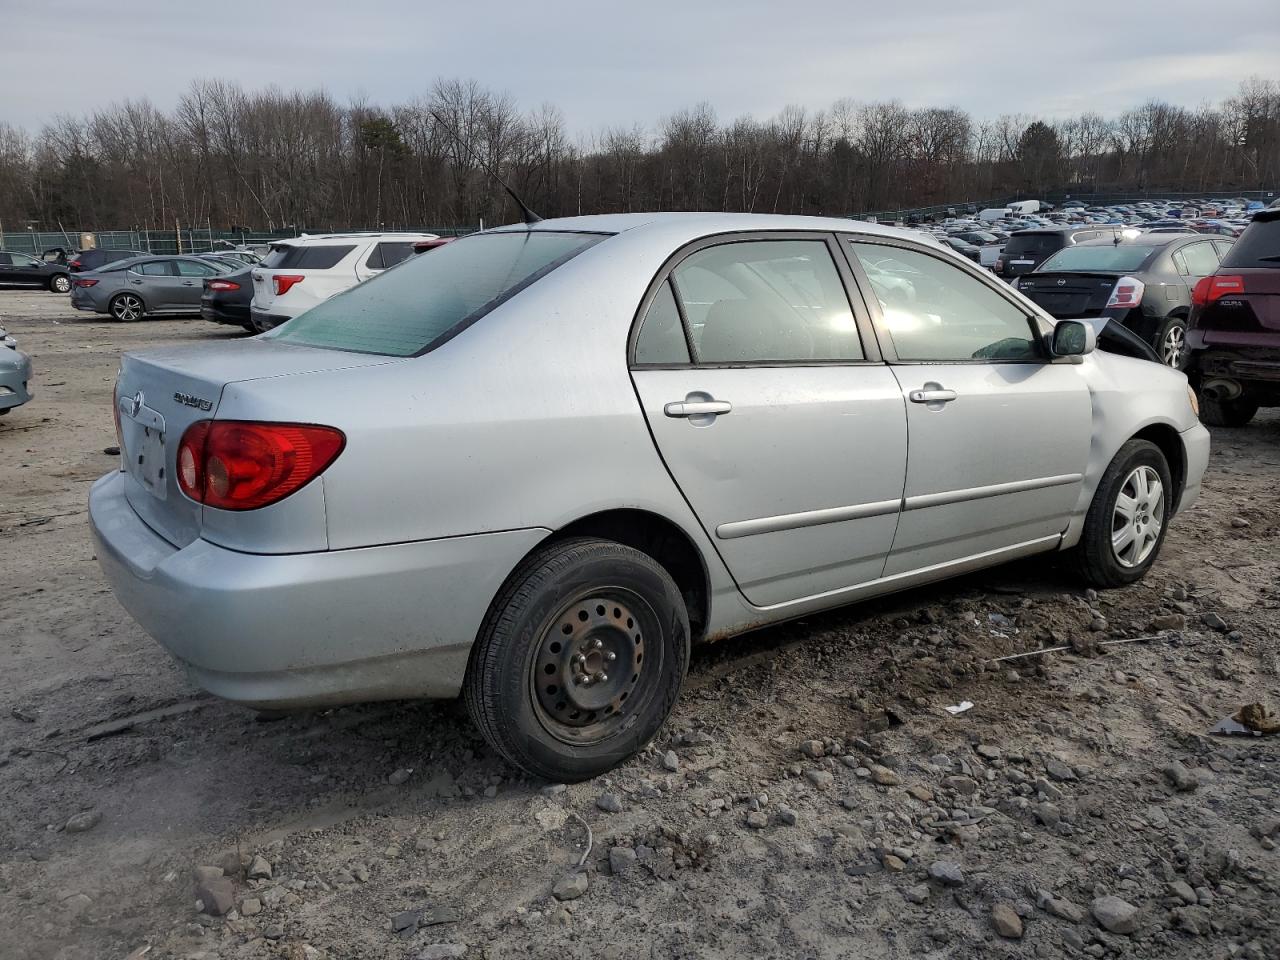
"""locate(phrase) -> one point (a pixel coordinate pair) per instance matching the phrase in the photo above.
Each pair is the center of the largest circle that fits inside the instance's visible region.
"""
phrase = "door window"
(388, 255)
(154, 268)
(4, 260)
(766, 301)
(1222, 246)
(936, 312)
(1200, 258)
(189, 268)
(661, 338)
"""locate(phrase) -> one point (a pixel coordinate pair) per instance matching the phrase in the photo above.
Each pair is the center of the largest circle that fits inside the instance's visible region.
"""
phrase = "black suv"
(82, 261)
(1143, 281)
(1027, 249)
(24, 270)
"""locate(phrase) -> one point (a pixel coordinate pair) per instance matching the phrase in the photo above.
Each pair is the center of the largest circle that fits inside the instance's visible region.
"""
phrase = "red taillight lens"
(85, 283)
(284, 282)
(73, 264)
(1126, 293)
(1209, 289)
(223, 285)
(238, 465)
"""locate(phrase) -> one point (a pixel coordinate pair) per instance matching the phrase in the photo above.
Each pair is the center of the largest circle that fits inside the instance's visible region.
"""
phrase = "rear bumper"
(225, 314)
(376, 623)
(266, 321)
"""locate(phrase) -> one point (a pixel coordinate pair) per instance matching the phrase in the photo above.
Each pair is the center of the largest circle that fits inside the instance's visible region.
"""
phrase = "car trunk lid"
(1069, 294)
(160, 393)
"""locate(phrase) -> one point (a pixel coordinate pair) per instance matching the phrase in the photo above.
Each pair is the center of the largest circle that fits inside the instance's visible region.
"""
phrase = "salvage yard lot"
(810, 797)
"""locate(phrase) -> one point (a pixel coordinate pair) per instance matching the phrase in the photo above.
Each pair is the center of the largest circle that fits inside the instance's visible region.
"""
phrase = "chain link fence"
(195, 240)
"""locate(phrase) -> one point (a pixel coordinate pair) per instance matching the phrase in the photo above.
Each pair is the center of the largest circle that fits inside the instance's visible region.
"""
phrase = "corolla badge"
(187, 400)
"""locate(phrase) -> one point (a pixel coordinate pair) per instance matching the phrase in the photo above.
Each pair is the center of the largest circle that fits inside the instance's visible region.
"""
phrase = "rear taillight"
(285, 281)
(84, 283)
(73, 264)
(223, 285)
(1209, 289)
(1126, 293)
(240, 465)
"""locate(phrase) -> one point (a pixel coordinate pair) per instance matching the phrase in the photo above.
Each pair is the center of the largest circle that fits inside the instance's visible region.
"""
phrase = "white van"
(298, 273)
(1024, 207)
(992, 214)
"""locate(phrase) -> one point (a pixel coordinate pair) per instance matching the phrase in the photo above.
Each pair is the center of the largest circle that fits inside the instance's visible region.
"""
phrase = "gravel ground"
(810, 797)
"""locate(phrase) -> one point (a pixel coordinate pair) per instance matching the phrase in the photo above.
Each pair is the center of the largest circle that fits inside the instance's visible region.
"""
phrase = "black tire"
(60, 283)
(1095, 556)
(1171, 343)
(127, 307)
(1227, 413)
(596, 596)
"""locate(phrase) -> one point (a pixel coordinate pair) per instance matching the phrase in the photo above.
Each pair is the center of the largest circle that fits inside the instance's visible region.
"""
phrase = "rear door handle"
(697, 408)
(932, 396)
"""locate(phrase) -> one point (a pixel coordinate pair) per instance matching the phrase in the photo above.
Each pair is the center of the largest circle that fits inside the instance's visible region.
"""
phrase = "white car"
(296, 274)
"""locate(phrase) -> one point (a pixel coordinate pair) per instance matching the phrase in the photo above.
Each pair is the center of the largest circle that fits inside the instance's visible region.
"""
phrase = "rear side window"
(1201, 259)
(661, 338)
(5, 260)
(410, 311)
(154, 268)
(294, 257)
(1258, 246)
(388, 254)
(189, 268)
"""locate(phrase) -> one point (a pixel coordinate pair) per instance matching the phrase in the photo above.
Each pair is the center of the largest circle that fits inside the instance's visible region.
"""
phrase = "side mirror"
(1072, 338)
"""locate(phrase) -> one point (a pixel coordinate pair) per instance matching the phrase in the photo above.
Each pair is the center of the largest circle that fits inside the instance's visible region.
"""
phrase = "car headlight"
(1195, 402)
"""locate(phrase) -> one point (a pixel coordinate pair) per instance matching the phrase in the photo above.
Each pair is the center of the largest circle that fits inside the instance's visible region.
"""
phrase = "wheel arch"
(1166, 437)
(664, 540)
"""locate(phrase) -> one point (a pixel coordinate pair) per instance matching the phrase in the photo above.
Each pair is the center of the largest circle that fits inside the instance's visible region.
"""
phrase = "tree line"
(274, 159)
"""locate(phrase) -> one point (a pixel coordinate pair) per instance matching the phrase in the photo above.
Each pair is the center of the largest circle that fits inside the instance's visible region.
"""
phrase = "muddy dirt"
(810, 797)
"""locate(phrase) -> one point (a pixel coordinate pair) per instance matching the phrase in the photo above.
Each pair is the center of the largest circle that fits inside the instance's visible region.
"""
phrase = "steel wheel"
(1173, 346)
(61, 283)
(126, 308)
(1138, 517)
(590, 671)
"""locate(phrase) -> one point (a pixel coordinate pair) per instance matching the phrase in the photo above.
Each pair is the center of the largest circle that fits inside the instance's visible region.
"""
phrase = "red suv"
(1234, 328)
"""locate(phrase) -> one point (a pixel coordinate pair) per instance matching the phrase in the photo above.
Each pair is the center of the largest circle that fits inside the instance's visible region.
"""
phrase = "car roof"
(686, 227)
(319, 238)
(1142, 240)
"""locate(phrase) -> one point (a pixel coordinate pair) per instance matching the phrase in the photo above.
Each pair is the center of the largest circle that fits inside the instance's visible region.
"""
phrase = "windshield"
(1036, 243)
(420, 303)
(1258, 246)
(1104, 256)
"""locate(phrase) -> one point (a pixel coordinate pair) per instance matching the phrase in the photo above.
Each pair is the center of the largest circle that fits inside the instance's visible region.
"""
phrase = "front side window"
(189, 268)
(763, 301)
(406, 312)
(936, 312)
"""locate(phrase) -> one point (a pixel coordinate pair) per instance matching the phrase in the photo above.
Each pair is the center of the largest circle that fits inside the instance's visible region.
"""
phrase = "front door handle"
(188, 283)
(697, 408)
(932, 395)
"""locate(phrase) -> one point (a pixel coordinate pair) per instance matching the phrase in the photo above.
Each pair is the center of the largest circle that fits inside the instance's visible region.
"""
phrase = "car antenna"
(529, 216)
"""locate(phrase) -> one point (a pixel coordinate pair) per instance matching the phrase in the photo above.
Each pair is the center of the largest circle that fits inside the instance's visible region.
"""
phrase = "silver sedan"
(536, 465)
(129, 290)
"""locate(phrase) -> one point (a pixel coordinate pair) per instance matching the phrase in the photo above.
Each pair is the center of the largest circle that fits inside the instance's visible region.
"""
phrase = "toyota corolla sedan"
(536, 465)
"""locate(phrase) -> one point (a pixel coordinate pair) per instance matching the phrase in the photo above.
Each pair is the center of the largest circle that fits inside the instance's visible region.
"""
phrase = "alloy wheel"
(590, 671)
(1173, 346)
(61, 283)
(127, 308)
(1138, 517)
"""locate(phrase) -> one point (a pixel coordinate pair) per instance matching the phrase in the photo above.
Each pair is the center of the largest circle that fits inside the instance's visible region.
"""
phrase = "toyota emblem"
(135, 404)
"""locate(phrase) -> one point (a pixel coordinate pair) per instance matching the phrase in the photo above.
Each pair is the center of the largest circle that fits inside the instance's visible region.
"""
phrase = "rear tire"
(1171, 343)
(1227, 413)
(127, 307)
(60, 283)
(1121, 540)
(580, 659)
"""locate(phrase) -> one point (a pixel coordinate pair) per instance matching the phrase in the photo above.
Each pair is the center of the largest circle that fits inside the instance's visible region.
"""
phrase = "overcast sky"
(613, 64)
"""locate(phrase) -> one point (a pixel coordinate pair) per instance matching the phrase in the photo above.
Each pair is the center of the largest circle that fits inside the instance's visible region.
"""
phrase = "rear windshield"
(1041, 244)
(1104, 256)
(288, 256)
(426, 300)
(1258, 246)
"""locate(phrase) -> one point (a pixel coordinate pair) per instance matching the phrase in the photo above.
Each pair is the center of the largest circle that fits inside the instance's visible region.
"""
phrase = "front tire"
(1127, 521)
(1171, 343)
(60, 283)
(1227, 413)
(579, 660)
(126, 307)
